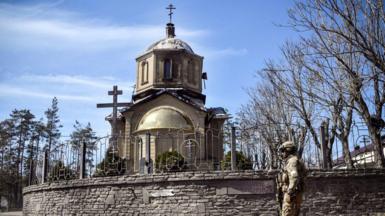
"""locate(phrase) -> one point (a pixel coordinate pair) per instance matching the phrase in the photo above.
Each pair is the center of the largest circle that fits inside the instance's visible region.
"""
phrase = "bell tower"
(169, 64)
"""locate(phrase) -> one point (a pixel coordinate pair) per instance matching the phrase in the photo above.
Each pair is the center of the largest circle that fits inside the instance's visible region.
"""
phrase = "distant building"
(363, 157)
(169, 105)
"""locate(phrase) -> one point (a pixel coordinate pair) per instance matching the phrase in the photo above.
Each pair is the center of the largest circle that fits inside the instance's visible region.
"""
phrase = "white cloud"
(8, 90)
(102, 82)
(220, 53)
(62, 86)
(231, 51)
(45, 26)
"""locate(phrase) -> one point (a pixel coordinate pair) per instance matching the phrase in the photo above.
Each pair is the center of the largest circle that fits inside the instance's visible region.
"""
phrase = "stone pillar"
(324, 164)
(233, 150)
(129, 141)
(148, 163)
(83, 149)
(31, 168)
(45, 167)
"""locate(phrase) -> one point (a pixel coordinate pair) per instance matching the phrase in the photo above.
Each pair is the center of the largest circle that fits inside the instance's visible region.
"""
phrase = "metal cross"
(365, 140)
(115, 92)
(170, 8)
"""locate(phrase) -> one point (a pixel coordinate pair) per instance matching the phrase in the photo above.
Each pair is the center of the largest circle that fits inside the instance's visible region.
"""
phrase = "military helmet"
(288, 146)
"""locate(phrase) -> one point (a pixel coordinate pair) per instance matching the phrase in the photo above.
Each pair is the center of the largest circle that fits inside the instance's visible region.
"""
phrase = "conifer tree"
(52, 132)
(87, 135)
(9, 170)
(6, 135)
(33, 148)
(23, 121)
(22, 125)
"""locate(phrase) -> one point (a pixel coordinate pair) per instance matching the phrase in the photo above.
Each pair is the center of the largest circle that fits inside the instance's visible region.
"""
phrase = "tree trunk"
(374, 128)
(273, 159)
(328, 145)
(379, 160)
(18, 176)
(347, 157)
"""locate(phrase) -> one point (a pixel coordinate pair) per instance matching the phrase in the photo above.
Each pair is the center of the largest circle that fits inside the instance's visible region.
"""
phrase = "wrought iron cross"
(170, 8)
(115, 92)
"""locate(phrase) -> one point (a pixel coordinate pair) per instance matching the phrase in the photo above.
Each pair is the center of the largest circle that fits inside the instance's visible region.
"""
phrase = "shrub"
(60, 172)
(170, 161)
(243, 163)
(112, 164)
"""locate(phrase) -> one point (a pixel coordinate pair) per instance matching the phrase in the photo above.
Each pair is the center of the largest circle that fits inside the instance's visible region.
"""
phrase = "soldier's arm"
(292, 171)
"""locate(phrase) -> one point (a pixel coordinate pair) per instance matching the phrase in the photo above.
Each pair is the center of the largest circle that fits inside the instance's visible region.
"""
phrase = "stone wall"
(358, 192)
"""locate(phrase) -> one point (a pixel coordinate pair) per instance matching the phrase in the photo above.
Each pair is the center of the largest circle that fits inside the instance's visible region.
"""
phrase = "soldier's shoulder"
(293, 159)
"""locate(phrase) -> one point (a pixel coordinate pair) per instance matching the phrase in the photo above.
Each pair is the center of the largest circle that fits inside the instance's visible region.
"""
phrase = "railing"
(146, 153)
(152, 152)
(80, 159)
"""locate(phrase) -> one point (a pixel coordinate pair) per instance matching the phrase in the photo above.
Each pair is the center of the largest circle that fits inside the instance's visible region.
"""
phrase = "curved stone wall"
(358, 192)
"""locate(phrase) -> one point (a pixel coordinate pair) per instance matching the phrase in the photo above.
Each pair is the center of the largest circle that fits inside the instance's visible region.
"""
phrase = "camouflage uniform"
(291, 181)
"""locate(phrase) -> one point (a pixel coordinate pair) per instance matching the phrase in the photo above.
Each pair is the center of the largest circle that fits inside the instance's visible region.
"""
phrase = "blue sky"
(76, 50)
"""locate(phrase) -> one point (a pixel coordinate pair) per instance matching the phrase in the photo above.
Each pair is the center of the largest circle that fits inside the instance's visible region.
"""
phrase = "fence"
(79, 159)
(166, 151)
(146, 153)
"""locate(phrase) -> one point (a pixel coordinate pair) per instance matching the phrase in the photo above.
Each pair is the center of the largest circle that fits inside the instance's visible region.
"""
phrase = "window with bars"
(144, 67)
(167, 69)
(191, 72)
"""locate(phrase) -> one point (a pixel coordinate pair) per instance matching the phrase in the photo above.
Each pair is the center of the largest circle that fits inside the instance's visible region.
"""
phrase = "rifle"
(279, 193)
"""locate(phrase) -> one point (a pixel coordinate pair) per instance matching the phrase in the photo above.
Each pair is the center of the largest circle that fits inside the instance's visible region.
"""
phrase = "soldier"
(290, 180)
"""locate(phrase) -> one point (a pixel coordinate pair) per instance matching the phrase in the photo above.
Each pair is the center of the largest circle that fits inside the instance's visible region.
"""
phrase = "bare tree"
(349, 28)
(314, 85)
(330, 89)
(295, 82)
(271, 120)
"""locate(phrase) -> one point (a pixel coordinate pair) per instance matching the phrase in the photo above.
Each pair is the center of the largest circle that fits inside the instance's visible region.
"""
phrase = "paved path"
(18, 213)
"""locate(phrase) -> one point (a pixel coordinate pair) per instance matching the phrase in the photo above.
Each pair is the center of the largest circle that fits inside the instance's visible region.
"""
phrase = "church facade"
(168, 110)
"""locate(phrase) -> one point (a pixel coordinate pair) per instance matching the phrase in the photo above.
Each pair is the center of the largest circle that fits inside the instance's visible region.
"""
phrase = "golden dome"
(164, 118)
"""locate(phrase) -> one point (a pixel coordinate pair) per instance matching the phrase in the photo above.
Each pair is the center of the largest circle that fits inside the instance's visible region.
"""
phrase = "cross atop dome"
(170, 29)
(170, 13)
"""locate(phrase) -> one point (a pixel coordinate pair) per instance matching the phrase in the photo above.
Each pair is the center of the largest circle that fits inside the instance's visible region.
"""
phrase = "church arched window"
(167, 69)
(144, 74)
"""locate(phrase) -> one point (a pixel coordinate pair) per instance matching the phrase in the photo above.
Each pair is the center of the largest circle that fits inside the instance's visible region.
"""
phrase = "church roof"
(213, 112)
(196, 103)
(170, 44)
(218, 113)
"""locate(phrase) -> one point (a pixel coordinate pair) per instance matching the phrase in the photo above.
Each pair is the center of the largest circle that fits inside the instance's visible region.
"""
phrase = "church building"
(168, 110)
